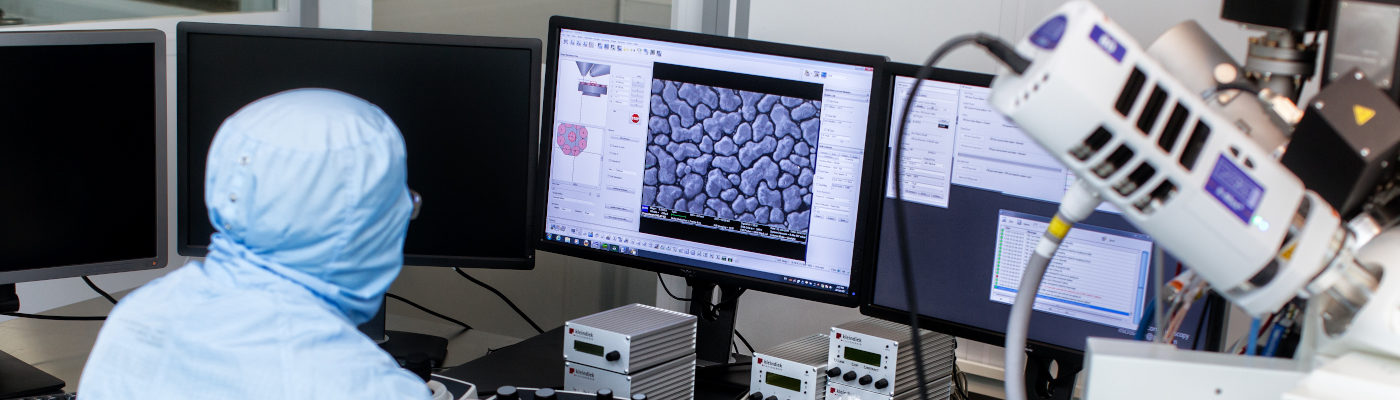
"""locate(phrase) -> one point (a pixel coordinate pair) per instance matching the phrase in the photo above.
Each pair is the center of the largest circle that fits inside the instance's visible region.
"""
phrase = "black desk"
(538, 362)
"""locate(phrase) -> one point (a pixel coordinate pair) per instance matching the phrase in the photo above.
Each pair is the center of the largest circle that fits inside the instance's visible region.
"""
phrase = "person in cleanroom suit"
(307, 190)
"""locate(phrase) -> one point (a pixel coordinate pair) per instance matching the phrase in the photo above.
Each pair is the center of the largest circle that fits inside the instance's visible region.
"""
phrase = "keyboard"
(58, 396)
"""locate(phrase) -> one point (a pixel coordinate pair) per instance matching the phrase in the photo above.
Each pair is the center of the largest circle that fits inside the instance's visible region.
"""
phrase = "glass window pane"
(512, 18)
(40, 12)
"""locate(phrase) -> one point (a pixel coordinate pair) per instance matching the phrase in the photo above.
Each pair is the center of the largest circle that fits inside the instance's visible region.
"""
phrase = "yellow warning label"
(1059, 227)
(1363, 114)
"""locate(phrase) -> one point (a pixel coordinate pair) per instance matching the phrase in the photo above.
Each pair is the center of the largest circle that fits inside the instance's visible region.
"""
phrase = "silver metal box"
(794, 370)
(629, 338)
(671, 380)
(878, 356)
(939, 390)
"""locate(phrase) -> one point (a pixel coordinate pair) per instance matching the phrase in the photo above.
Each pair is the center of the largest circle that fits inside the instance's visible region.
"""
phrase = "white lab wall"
(45, 295)
(687, 15)
(907, 31)
(654, 13)
(904, 30)
(344, 14)
(513, 18)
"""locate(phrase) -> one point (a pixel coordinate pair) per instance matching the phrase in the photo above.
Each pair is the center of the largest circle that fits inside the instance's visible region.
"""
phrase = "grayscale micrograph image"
(731, 154)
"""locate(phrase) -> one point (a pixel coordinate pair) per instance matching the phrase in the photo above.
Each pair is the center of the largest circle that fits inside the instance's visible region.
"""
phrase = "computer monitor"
(83, 164)
(468, 108)
(726, 161)
(978, 194)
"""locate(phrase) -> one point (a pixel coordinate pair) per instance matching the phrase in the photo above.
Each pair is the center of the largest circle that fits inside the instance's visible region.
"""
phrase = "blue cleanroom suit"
(308, 192)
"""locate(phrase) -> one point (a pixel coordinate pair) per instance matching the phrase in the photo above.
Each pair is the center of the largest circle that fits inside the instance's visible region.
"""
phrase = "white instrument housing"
(1178, 170)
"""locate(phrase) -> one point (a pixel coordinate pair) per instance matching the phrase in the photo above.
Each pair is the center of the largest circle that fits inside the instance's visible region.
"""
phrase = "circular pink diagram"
(572, 139)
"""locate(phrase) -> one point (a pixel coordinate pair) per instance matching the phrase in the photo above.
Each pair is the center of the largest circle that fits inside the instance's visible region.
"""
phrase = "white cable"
(1078, 203)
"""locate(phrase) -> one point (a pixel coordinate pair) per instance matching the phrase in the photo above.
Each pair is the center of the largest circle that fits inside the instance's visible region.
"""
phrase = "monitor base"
(732, 378)
(1044, 384)
(19, 379)
(411, 349)
(415, 352)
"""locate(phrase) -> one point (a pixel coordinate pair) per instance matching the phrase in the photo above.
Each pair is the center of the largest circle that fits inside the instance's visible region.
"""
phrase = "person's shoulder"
(167, 294)
(342, 361)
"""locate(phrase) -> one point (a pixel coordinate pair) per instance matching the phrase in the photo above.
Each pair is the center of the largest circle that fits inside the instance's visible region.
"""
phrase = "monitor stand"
(18, 378)
(1044, 384)
(1041, 383)
(410, 350)
(714, 335)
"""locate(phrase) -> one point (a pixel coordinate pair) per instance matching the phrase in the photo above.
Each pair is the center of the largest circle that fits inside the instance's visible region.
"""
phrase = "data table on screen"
(1098, 274)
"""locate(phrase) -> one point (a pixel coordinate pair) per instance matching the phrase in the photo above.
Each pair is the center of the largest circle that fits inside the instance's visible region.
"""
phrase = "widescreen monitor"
(978, 194)
(83, 164)
(719, 159)
(468, 108)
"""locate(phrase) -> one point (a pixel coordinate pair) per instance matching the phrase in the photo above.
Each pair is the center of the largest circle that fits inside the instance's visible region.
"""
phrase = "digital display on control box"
(862, 356)
(589, 348)
(784, 382)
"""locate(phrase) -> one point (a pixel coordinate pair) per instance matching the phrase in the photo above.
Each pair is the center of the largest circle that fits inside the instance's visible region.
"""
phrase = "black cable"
(99, 290)
(53, 317)
(1206, 309)
(1018, 65)
(503, 298)
(714, 308)
(426, 310)
(726, 365)
(960, 382)
(746, 341)
(668, 289)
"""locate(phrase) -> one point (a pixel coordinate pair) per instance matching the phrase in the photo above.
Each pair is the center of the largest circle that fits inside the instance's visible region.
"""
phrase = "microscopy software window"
(736, 161)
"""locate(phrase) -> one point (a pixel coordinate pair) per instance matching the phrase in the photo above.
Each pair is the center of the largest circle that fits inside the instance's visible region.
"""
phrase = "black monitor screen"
(732, 159)
(82, 166)
(467, 108)
(978, 195)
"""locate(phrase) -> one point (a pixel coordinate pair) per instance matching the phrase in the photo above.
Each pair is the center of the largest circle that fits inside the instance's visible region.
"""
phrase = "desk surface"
(537, 363)
(61, 347)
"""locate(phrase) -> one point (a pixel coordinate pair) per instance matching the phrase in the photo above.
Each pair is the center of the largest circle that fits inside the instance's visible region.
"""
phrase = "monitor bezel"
(185, 245)
(872, 179)
(156, 39)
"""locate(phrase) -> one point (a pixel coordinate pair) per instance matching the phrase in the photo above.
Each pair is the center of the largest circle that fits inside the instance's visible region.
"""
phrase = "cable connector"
(1079, 201)
(1004, 53)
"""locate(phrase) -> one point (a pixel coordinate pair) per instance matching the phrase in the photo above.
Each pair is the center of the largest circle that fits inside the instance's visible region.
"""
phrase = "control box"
(630, 338)
(878, 356)
(794, 370)
(942, 389)
(670, 380)
(519, 393)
